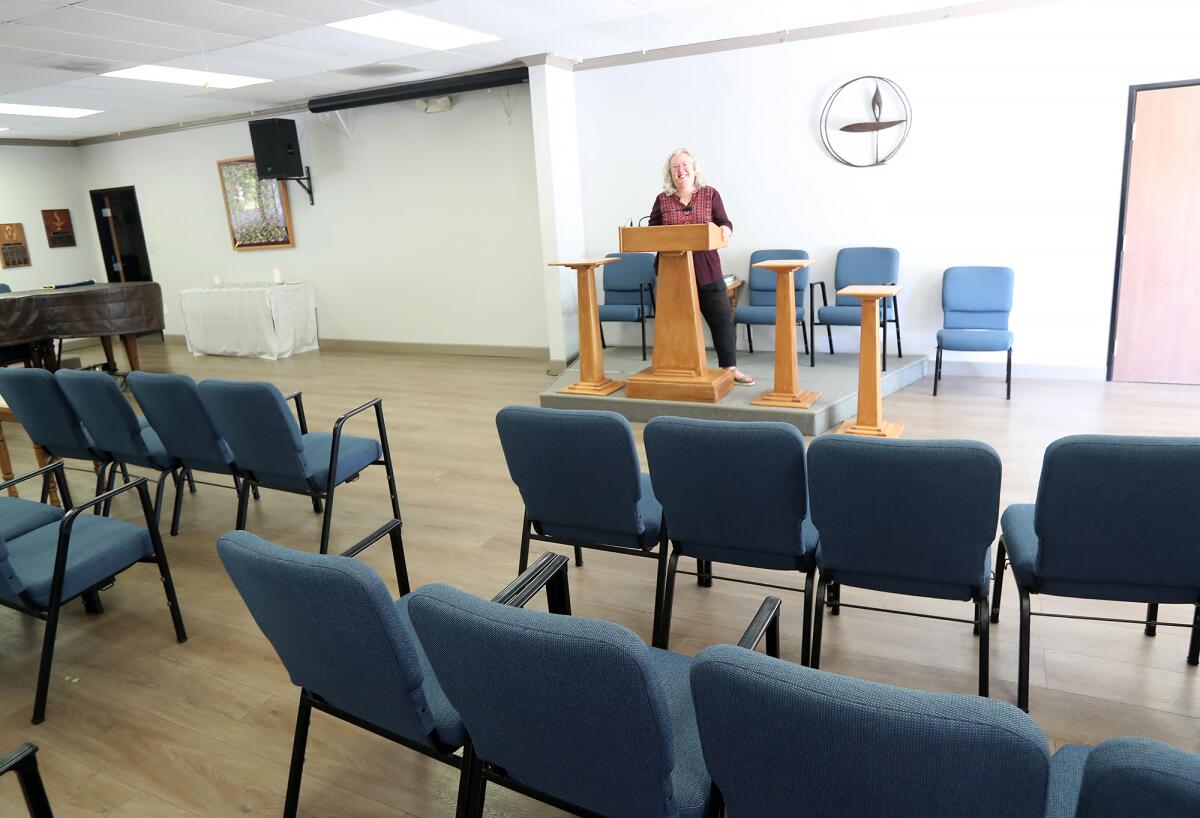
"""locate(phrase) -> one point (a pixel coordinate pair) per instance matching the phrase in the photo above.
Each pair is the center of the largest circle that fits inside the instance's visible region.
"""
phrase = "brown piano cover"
(80, 312)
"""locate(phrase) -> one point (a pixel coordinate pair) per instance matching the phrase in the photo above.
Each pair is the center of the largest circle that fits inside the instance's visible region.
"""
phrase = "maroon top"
(705, 206)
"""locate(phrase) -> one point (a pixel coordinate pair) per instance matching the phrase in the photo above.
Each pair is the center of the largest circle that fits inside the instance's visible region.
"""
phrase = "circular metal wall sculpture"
(867, 136)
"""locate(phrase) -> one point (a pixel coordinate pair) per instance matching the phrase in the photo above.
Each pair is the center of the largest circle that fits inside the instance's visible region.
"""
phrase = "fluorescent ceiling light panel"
(413, 29)
(3, 129)
(45, 110)
(184, 76)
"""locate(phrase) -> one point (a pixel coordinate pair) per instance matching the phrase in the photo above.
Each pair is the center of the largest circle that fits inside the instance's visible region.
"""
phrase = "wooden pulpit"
(679, 369)
(786, 391)
(870, 422)
(592, 380)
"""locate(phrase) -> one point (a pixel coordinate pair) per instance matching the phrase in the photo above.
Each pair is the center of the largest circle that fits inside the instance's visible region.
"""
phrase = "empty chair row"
(583, 715)
(911, 517)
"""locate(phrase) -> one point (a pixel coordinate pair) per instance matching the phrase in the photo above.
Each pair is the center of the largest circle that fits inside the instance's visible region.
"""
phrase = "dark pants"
(714, 306)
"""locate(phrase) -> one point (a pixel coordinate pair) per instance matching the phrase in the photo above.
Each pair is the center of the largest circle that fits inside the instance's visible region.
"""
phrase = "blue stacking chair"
(732, 492)
(976, 302)
(276, 452)
(23, 762)
(574, 712)
(18, 516)
(46, 568)
(761, 307)
(51, 422)
(858, 265)
(926, 528)
(578, 474)
(628, 291)
(346, 644)
(1116, 518)
(1124, 778)
(117, 429)
(780, 739)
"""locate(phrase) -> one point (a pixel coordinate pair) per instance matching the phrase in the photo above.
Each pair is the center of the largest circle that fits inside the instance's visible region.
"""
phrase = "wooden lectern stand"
(870, 422)
(679, 370)
(785, 391)
(592, 380)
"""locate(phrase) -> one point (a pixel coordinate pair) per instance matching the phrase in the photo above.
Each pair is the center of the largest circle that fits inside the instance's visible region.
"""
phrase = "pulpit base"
(598, 388)
(659, 385)
(886, 428)
(801, 399)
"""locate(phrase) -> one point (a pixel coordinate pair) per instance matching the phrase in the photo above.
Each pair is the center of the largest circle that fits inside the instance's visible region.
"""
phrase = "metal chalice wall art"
(877, 119)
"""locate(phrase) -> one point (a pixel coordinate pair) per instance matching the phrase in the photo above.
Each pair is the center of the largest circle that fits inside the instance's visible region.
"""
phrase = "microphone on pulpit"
(639, 221)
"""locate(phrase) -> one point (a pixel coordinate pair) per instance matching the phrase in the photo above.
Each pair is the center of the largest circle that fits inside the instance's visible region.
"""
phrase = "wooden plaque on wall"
(14, 252)
(59, 232)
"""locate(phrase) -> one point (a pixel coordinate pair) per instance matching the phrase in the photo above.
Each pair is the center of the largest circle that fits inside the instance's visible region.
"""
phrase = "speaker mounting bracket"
(305, 182)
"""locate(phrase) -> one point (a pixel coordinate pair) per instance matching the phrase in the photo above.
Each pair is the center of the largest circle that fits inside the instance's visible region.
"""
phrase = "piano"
(104, 311)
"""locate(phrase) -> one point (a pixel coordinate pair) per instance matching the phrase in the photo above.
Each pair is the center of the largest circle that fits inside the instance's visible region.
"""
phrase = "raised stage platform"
(835, 377)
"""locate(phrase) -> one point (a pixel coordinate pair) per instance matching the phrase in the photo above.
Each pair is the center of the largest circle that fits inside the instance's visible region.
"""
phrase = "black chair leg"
(178, 510)
(1023, 653)
(750, 339)
(998, 584)
(91, 602)
(660, 582)
(603, 343)
(191, 481)
(937, 369)
(1008, 377)
(883, 331)
(243, 502)
(327, 520)
(806, 637)
(472, 785)
(981, 625)
(896, 321)
(109, 484)
(663, 638)
(829, 332)
(643, 323)
(164, 570)
(1193, 657)
(316, 503)
(704, 573)
(978, 609)
(1152, 619)
(814, 655)
(159, 492)
(578, 557)
(396, 535)
(291, 801)
(523, 560)
(47, 659)
(834, 595)
(803, 334)
(101, 474)
(254, 489)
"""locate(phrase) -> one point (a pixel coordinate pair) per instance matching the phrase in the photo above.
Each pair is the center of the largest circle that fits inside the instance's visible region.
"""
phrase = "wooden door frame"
(1129, 123)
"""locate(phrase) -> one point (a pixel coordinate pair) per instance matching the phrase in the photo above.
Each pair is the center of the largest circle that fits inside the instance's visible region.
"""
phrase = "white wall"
(33, 179)
(1014, 157)
(425, 227)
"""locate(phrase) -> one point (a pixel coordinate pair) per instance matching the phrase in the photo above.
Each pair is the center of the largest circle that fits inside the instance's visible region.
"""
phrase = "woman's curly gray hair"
(668, 182)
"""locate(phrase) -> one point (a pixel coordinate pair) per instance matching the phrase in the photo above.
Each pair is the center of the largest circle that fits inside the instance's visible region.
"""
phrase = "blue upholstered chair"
(117, 429)
(346, 644)
(732, 492)
(37, 400)
(48, 567)
(575, 712)
(858, 265)
(1116, 518)
(18, 516)
(582, 485)
(628, 292)
(761, 307)
(23, 762)
(1124, 778)
(976, 302)
(930, 533)
(15, 353)
(274, 451)
(780, 739)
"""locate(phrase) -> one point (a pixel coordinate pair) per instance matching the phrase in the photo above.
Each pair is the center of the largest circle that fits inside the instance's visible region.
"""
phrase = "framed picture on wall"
(257, 209)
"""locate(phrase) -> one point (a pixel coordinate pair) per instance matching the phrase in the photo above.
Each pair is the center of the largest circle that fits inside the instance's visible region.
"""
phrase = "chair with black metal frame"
(23, 762)
(976, 302)
(43, 570)
(275, 450)
(628, 292)
(857, 265)
(1116, 518)
(732, 492)
(1127, 777)
(762, 284)
(932, 538)
(345, 643)
(537, 701)
(582, 485)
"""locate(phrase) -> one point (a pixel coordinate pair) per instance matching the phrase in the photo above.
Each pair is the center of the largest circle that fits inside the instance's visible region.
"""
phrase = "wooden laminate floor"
(142, 727)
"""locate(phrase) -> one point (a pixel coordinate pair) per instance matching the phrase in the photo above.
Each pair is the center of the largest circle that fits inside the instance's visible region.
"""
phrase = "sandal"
(742, 379)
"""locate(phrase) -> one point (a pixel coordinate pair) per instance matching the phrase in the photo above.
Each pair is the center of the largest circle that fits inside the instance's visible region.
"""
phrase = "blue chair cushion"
(620, 312)
(446, 722)
(1134, 777)
(761, 315)
(101, 547)
(916, 587)
(975, 340)
(841, 315)
(809, 539)
(354, 455)
(1066, 776)
(689, 779)
(19, 516)
(649, 514)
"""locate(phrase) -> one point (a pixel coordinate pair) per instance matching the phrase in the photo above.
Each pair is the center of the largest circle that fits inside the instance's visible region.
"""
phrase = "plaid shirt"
(705, 206)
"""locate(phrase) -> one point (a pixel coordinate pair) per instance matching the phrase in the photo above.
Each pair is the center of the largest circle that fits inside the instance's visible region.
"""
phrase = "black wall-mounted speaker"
(276, 148)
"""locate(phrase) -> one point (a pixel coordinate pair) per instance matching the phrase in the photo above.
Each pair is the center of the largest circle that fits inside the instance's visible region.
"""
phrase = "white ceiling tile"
(204, 14)
(559, 14)
(20, 77)
(76, 96)
(129, 29)
(719, 21)
(345, 43)
(140, 91)
(443, 61)
(334, 82)
(264, 60)
(271, 93)
(498, 52)
(16, 9)
(64, 42)
(644, 33)
(313, 11)
(19, 56)
(488, 16)
(573, 43)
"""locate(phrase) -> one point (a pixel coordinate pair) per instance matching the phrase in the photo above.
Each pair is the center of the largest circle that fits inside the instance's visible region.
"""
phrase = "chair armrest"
(377, 403)
(17, 758)
(56, 467)
(23, 761)
(765, 622)
(548, 571)
(298, 397)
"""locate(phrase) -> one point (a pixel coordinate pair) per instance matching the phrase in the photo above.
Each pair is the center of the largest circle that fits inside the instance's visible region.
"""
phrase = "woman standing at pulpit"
(687, 200)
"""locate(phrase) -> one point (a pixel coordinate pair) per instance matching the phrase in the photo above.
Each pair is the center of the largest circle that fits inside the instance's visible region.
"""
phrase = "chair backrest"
(11, 585)
(336, 630)
(574, 468)
(567, 705)
(106, 414)
(5, 288)
(777, 736)
(977, 297)
(864, 265)
(172, 405)
(1135, 777)
(728, 485)
(1120, 509)
(622, 279)
(913, 509)
(762, 282)
(255, 421)
(47, 417)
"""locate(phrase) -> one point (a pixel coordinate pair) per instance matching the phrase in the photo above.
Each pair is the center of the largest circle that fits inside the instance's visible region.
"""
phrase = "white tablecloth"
(253, 321)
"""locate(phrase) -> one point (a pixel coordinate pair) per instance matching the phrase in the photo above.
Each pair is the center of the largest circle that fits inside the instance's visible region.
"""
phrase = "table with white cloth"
(250, 320)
